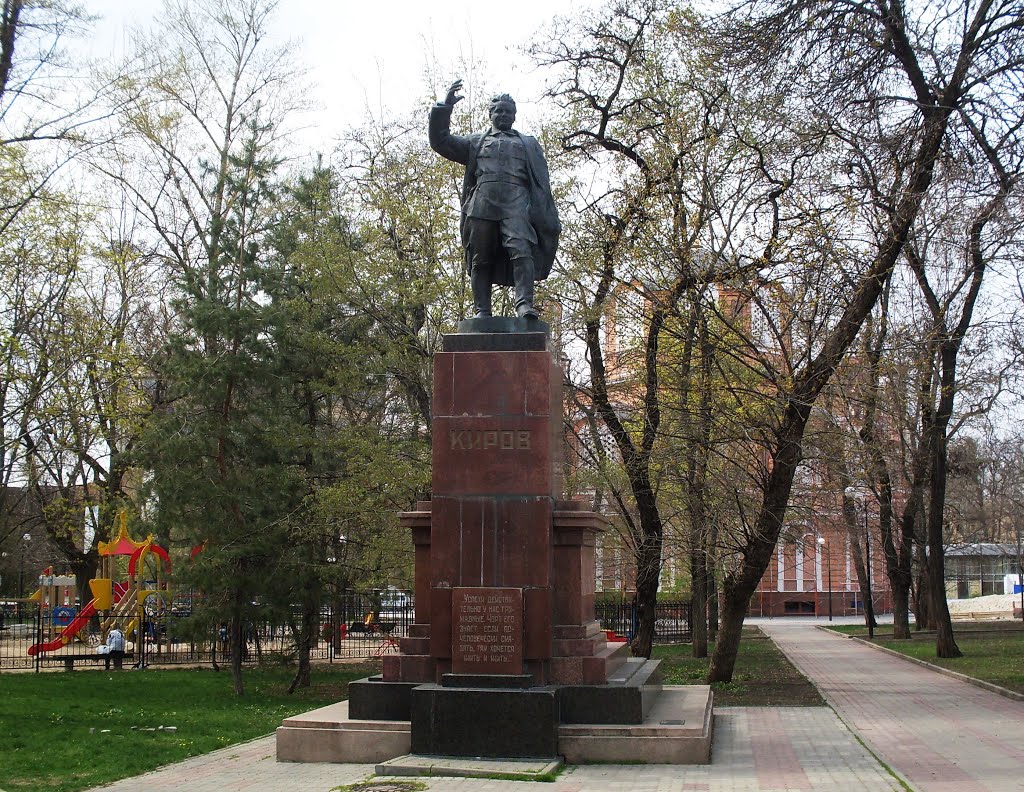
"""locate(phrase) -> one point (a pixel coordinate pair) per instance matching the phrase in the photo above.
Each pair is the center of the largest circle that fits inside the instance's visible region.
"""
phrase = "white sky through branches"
(371, 57)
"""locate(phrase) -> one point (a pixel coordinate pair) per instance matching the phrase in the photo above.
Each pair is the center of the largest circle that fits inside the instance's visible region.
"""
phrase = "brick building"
(814, 566)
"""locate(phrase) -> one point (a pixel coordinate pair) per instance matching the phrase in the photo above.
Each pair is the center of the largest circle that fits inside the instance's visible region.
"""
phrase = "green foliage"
(223, 455)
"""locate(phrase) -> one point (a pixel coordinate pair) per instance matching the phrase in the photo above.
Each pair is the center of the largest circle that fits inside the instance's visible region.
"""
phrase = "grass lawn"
(763, 676)
(61, 732)
(52, 725)
(993, 650)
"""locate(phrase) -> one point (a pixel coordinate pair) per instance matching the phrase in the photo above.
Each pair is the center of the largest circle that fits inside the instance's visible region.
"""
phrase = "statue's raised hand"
(452, 97)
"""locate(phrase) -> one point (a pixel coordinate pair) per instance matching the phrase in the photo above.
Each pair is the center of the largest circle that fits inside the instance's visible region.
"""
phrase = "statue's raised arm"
(452, 97)
(509, 224)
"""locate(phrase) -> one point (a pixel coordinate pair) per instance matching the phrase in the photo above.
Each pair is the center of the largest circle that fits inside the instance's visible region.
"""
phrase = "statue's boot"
(480, 282)
(522, 275)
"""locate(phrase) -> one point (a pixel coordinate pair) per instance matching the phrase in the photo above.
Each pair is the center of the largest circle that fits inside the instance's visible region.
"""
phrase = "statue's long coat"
(464, 149)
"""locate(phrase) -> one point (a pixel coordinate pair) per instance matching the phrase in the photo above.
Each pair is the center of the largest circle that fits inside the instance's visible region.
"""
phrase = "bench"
(69, 660)
(979, 615)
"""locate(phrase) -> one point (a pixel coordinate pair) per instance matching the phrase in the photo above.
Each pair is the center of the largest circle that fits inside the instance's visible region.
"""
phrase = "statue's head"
(502, 111)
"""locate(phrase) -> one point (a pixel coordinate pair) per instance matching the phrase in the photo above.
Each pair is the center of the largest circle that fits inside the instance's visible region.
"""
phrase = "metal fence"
(671, 619)
(167, 636)
(37, 639)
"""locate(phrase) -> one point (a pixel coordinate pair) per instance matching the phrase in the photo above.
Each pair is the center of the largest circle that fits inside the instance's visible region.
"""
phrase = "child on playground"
(115, 648)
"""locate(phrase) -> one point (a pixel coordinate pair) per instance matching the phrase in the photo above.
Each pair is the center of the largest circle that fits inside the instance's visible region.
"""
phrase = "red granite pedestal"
(504, 568)
(505, 658)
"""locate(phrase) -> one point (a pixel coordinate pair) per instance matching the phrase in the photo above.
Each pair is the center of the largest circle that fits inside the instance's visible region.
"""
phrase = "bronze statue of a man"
(509, 223)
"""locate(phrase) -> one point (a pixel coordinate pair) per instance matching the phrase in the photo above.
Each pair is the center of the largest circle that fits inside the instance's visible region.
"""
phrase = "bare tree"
(861, 63)
(679, 179)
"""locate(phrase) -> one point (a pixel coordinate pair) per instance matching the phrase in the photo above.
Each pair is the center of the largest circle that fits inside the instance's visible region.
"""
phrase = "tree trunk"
(900, 611)
(900, 573)
(866, 591)
(897, 560)
(727, 646)
(945, 644)
(740, 584)
(305, 637)
(712, 581)
(214, 645)
(900, 568)
(697, 460)
(648, 571)
(699, 603)
(947, 344)
(856, 534)
(10, 30)
(235, 638)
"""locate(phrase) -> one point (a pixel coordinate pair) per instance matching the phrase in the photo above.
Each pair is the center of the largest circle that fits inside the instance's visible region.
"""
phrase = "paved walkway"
(938, 733)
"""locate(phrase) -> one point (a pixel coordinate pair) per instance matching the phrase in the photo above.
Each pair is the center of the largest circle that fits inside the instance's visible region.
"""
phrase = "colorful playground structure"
(112, 601)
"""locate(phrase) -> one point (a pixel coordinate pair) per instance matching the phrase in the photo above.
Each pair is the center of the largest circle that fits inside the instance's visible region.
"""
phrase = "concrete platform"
(329, 735)
(460, 767)
(676, 730)
(631, 691)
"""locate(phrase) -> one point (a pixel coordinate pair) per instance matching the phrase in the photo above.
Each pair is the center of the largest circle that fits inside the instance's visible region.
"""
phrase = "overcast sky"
(366, 54)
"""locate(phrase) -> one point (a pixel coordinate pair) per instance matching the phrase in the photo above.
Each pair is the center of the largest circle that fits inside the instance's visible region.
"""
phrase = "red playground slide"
(67, 633)
(76, 625)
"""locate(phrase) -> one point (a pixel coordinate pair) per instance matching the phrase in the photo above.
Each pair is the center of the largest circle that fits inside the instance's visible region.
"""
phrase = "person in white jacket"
(115, 648)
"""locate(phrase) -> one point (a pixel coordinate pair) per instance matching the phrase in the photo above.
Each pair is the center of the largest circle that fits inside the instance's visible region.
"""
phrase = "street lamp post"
(25, 539)
(828, 564)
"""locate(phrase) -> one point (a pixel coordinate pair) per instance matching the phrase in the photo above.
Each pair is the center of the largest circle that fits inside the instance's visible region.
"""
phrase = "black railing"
(169, 636)
(671, 619)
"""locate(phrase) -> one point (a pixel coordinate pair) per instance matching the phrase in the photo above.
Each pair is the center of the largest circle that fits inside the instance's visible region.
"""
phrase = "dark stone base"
(487, 680)
(485, 722)
(626, 699)
(498, 334)
(503, 324)
(374, 699)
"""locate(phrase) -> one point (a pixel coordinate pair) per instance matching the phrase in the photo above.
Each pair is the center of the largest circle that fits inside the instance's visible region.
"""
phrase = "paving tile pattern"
(940, 733)
(755, 750)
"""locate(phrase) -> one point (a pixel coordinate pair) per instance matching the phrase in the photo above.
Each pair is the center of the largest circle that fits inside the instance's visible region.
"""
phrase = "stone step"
(630, 668)
(328, 734)
(462, 767)
(677, 730)
(630, 693)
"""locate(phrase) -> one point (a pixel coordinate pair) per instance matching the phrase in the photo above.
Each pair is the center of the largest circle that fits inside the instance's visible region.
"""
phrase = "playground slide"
(76, 625)
(67, 633)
